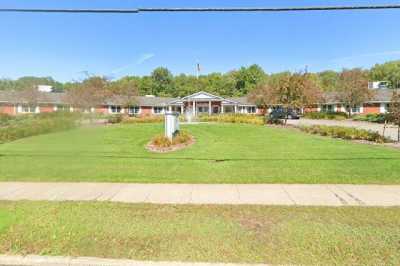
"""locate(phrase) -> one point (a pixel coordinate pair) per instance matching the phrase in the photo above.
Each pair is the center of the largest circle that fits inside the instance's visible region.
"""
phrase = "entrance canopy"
(203, 97)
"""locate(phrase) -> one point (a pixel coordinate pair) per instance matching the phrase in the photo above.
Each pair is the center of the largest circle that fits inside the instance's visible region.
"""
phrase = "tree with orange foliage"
(353, 88)
(289, 91)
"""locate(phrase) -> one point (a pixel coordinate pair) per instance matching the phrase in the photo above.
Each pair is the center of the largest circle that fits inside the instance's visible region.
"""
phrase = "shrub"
(115, 119)
(4, 119)
(161, 141)
(373, 118)
(31, 125)
(181, 138)
(324, 115)
(273, 120)
(233, 118)
(345, 133)
(143, 119)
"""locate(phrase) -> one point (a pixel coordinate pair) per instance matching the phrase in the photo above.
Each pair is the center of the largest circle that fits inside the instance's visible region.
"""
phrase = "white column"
(222, 108)
(362, 109)
(382, 108)
(209, 107)
(235, 109)
(194, 108)
(170, 108)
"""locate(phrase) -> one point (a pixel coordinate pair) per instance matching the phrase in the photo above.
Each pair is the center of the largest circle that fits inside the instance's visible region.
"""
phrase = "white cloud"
(142, 59)
(145, 57)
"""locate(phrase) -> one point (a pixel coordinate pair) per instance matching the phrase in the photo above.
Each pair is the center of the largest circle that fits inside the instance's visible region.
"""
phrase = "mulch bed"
(152, 148)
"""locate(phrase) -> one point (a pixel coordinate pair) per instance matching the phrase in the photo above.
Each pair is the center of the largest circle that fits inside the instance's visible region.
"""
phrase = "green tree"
(389, 71)
(329, 80)
(163, 82)
(247, 79)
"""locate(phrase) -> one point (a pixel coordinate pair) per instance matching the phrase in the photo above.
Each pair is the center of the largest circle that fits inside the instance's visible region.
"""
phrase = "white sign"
(171, 124)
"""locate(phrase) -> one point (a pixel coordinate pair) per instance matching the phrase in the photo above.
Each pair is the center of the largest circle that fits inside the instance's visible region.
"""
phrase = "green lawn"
(247, 234)
(223, 153)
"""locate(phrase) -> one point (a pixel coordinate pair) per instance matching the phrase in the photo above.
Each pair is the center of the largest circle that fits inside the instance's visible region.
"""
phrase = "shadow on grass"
(215, 160)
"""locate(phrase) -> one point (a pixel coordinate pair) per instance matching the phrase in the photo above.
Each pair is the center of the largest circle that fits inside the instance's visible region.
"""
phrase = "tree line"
(240, 82)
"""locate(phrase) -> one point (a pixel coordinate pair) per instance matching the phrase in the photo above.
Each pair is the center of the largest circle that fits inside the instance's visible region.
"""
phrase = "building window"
(355, 109)
(63, 108)
(202, 109)
(228, 109)
(158, 110)
(115, 109)
(134, 110)
(328, 108)
(176, 109)
(28, 109)
(251, 109)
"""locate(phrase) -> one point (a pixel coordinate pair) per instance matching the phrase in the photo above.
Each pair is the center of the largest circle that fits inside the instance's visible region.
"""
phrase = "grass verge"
(222, 153)
(246, 234)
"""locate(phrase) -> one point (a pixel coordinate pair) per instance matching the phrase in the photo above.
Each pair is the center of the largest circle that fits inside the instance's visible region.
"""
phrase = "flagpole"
(197, 70)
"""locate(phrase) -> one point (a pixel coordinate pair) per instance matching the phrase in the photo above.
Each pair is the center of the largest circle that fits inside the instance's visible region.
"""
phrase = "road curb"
(33, 260)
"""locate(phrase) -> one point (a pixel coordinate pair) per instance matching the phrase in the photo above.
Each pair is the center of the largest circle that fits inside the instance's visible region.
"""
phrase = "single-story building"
(13, 103)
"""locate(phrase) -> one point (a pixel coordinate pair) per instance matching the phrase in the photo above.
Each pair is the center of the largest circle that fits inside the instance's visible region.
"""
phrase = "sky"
(67, 46)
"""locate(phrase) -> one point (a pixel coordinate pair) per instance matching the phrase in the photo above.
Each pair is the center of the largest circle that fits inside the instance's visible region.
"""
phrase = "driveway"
(391, 131)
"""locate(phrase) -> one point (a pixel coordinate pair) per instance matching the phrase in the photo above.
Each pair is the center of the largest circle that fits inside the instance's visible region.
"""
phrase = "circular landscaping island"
(162, 144)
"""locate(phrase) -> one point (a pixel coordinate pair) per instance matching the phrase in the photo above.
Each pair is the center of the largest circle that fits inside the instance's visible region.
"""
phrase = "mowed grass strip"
(223, 153)
(245, 234)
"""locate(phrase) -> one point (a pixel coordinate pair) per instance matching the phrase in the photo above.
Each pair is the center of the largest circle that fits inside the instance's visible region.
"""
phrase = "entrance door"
(215, 110)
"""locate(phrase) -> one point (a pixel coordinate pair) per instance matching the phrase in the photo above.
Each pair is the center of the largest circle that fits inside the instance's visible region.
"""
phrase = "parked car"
(283, 114)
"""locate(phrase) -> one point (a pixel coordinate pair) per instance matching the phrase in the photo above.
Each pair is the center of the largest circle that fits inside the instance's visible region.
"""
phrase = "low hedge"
(233, 118)
(31, 125)
(345, 133)
(324, 115)
(143, 119)
(373, 118)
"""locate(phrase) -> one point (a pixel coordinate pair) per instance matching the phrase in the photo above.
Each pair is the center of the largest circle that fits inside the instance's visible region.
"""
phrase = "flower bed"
(345, 133)
(143, 119)
(162, 144)
(233, 118)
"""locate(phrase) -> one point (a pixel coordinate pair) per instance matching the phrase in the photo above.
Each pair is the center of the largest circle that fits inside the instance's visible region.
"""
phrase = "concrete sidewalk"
(258, 194)
(84, 261)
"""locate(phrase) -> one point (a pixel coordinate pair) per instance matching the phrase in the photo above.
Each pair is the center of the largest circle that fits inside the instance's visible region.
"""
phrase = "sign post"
(171, 124)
